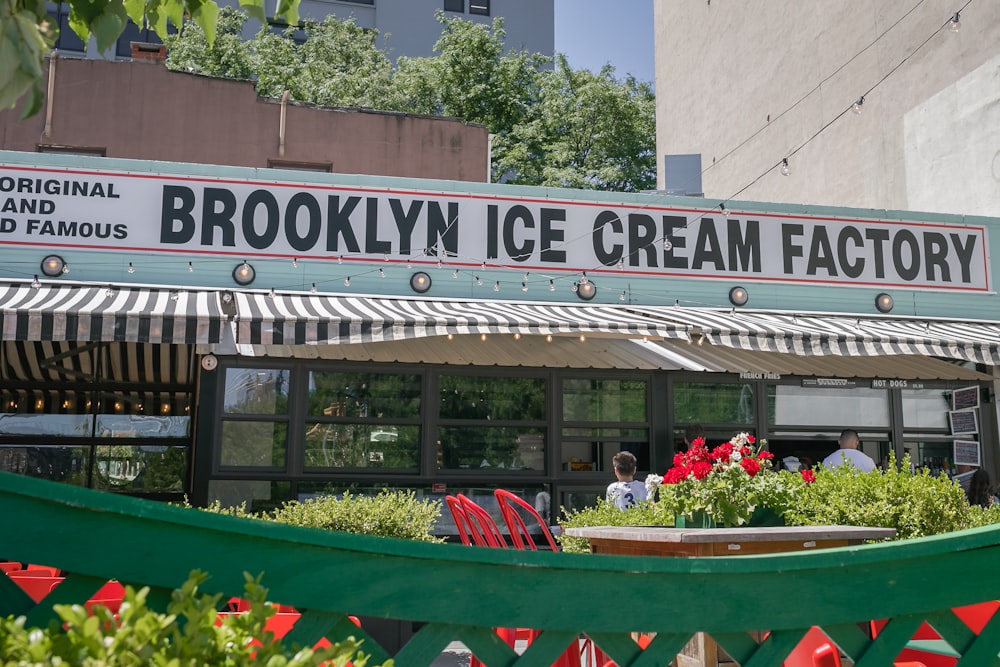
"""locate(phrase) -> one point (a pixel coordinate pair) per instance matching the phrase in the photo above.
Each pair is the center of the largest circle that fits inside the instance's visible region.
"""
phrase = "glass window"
(362, 446)
(454, 6)
(604, 400)
(492, 448)
(492, 398)
(852, 407)
(57, 464)
(364, 395)
(696, 402)
(481, 7)
(145, 468)
(261, 391)
(253, 444)
(926, 408)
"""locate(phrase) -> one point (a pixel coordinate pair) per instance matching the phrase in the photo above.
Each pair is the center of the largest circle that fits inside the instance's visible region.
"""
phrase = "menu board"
(963, 422)
(965, 398)
(966, 452)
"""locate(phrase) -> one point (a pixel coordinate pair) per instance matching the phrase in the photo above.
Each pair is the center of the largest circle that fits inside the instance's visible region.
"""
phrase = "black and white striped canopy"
(844, 335)
(288, 319)
(67, 312)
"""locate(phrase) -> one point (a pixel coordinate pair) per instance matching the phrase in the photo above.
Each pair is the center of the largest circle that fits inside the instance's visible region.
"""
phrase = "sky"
(594, 32)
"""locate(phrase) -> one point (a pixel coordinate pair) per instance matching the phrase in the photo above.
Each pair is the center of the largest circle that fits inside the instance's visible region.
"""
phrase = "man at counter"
(849, 442)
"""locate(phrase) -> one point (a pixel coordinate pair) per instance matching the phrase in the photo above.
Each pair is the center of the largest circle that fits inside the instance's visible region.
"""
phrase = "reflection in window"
(253, 444)
(696, 402)
(492, 449)
(254, 495)
(364, 395)
(260, 391)
(57, 464)
(854, 407)
(492, 398)
(362, 446)
(604, 400)
(144, 468)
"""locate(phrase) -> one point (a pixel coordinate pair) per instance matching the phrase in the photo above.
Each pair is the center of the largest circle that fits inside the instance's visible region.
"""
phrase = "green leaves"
(26, 35)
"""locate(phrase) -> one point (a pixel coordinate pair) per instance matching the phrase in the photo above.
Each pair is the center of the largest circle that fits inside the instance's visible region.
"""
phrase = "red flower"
(676, 474)
(697, 442)
(765, 455)
(751, 439)
(701, 469)
(808, 476)
(752, 466)
(746, 451)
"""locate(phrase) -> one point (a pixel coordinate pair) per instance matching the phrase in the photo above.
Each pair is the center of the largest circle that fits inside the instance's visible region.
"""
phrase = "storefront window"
(361, 446)
(849, 407)
(145, 468)
(492, 398)
(251, 444)
(696, 402)
(52, 425)
(58, 464)
(366, 395)
(598, 400)
(492, 448)
(257, 391)
(926, 408)
(253, 495)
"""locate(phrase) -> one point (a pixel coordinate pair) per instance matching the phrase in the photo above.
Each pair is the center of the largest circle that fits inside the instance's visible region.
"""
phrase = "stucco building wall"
(144, 111)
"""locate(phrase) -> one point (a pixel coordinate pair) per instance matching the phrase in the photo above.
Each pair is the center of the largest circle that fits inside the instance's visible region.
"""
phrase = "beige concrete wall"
(747, 82)
(144, 111)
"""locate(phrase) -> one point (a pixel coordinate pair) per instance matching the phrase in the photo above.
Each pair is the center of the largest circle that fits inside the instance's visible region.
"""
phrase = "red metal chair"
(482, 528)
(461, 519)
(519, 535)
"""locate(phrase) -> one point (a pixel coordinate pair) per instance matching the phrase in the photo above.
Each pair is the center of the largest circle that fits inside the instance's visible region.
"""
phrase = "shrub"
(607, 514)
(915, 504)
(190, 633)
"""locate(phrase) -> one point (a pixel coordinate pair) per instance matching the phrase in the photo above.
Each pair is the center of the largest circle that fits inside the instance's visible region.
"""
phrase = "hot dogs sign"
(169, 213)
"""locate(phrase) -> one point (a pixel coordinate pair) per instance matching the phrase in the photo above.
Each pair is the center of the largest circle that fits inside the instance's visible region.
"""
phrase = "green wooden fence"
(460, 593)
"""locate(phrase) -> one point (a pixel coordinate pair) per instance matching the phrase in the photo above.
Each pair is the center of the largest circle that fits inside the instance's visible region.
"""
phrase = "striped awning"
(843, 335)
(86, 313)
(289, 319)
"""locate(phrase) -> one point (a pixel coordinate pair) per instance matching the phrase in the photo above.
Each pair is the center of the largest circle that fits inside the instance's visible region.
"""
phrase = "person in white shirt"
(849, 453)
(626, 492)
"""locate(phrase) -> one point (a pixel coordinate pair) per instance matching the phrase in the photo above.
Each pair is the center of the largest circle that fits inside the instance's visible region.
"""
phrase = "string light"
(35, 282)
(576, 287)
(723, 209)
(785, 169)
(440, 263)
(548, 338)
(667, 244)
(385, 257)
(524, 287)
(482, 337)
(583, 338)
(347, 281)
(381, 272)
(409, 264)
(496, 287)
(110, 292)
(65, 267)
(340, 259)
(131, 269)
(271, 294)
(955, 24)
(295, 263)
(190, 267)
(454, 274)
(313, 288)
(525, 276)
(622, 297)
(174, 295)
(856, 107)
(517, 335)
(484, 265)
(552, 285)
(583, 278)
(479, 281)
(621, 265)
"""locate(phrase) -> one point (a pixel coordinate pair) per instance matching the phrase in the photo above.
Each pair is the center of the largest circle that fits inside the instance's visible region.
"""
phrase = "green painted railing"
(460, 593)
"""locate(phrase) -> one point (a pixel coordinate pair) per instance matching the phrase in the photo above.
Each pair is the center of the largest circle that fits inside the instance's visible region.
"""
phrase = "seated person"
(626, 492)
(849, 452)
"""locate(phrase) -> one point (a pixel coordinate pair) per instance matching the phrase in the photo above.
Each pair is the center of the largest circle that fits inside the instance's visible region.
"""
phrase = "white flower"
(735, 457)
(652, 483)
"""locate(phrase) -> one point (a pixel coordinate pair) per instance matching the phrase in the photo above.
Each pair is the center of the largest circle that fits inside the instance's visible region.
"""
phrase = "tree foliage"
(552, 126)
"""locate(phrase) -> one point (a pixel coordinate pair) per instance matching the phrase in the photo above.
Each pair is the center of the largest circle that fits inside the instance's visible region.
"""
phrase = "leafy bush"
(389, 514)
(607, 514)
(190, 633)
(915, 504)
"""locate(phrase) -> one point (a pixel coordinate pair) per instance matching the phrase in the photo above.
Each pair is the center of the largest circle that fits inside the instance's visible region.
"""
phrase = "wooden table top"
(740, 534)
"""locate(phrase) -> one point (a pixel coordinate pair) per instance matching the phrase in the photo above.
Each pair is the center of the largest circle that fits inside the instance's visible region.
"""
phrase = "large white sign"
(142, 212)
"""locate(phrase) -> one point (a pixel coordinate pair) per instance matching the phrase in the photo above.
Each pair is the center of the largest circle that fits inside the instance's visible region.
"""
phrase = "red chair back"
(519, 535)
(482, 527)
(461, 519)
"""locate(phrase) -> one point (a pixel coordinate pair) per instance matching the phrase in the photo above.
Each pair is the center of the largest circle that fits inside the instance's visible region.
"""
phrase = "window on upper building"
(479, 7)
(454, 6)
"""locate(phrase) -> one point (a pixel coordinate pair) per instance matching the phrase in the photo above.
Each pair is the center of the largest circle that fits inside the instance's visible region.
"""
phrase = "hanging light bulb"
(347, 281)
(525, 276)
(385, 257)
(524, 287)
(340, 259)
(479, 281)
(35, 282)
(548, 338)
(190, 267)
(723, 209)
(583, 278)
(381, 273)
(484, 265)
(667, 244)
(295, 263)
(454, 274)
(409, 264)
(785, 169)
(110, 292)
(517, 335)
(621, 265)
(271, 294)
(496, 287)
(552, 285)
(583, 338)
(482, 337)
(313, 288)
(65, 267)
(622, 297)
(440, 263)
(955, 24)
(576, 287)
(131, 269)
(856, 107)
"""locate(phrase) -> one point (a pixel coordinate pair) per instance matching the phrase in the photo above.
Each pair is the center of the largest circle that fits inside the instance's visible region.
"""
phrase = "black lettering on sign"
(492, 231)
(405, 222)
(442, 232)
(790, 249)
(607, 256)
(850, 235)
(671, 223)
(965, 254)
(250, 221)
(550, 234)
(936, 255)
(744, 246)
(707, 249)
(821, 254)
(314, 223)
(641, 237)
(522, 252)
(176, 222)
(212, 216)
(372, 243)
(880, 237)
(339, 224)
(900, 254)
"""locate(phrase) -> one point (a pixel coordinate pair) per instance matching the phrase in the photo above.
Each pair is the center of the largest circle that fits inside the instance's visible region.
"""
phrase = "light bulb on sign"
(785, 169)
